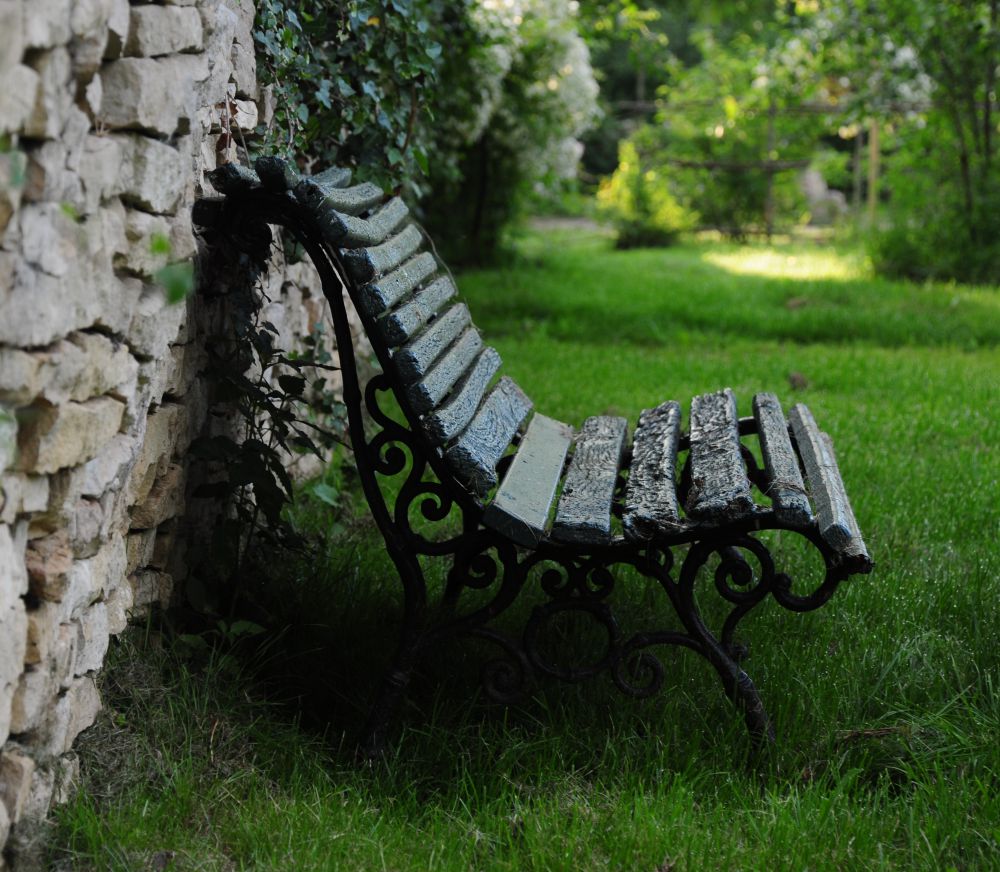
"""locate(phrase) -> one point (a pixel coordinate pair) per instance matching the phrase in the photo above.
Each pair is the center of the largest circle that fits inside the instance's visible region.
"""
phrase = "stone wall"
(110, 113)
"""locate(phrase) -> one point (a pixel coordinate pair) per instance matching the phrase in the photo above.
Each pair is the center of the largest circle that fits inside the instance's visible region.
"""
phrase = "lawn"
(886, 701)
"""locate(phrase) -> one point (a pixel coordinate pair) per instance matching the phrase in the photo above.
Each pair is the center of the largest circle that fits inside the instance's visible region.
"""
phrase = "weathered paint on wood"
(374, 298)
(333, 177)
(720, 489)
(233, 178)
(833, 512)
(415, 359)
(349, 230)
(276, 173)
(364, 264)
(584, 511)
(781, 467)
(651, 505)
(856, 547)
(425, 394)
(520, 509)
(319, 196)
(445, 423)
(404, 322)
(475, 454)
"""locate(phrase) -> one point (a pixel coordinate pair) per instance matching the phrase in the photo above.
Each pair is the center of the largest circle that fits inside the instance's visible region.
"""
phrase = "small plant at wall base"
(283, 406)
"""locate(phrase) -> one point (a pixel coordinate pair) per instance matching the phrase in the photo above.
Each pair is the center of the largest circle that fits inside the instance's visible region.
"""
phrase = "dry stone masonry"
(110, 115)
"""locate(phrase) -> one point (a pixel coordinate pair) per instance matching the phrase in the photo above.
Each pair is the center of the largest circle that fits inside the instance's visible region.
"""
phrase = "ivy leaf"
(434, 50)
(292, 384)
(177, 281)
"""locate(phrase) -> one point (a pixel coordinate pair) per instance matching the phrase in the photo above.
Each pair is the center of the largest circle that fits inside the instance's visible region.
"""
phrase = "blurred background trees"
(745, 117)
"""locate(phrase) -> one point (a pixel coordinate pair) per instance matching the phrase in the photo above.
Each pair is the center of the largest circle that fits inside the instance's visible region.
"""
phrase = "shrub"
(638, 201)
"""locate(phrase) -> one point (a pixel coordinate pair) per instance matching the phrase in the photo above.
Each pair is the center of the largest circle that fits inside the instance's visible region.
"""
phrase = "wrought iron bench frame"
(503, 556)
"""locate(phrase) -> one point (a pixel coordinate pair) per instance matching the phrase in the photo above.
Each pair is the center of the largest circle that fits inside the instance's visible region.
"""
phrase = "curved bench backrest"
(446, 381)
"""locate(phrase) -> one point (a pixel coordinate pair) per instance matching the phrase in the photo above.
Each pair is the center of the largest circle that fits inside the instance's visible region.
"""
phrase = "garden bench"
(540, 505)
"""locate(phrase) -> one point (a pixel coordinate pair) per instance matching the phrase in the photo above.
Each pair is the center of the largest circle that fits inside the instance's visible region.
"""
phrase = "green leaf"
(292, 384)
(177, 281)
(325, 493)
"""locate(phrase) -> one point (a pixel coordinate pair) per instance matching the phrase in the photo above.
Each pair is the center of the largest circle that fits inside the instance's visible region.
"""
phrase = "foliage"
(284, 406)
(638, 200)
(473, 130)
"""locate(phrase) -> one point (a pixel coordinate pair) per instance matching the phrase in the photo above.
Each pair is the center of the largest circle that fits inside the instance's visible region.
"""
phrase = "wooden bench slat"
(856, 548)
(584, 511)
(781, 467)
(333, 177)
(833, 512)
(374, 298)
(425, 394)
(349, 230)
(316, 193)
(365, 264)
(445, 423)
(474, 455)
(403, 322)
(276, 173)
(720, 489)
(520, 509)
(412, 361)
(651, 505)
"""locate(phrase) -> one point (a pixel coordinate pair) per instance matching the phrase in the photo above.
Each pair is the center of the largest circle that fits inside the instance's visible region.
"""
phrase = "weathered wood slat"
(720, 489)
(425, 394)
(833, 512)
(404, 322)
(364, 264)
(445, 423)
(232, 178)
(415, 359)
(350, 231)
(319, 196)
(520, 509)
(474, 455)
(781, 467)
(584, 511)
(651, 505)
(333, 177)
(276, 173)
(374, 298)
(856, 548)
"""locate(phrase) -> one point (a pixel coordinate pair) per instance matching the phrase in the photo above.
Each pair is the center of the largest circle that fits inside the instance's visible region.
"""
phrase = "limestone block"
(35, 690)
(43, 624)
(118, 25)
(39, 797)
(110, 468)
(13, 575)
(92, 639)
(16, 771)
(100, 170)
(164, 428)
(119, 602)
(4, 827)
(12, 170)
(183, 245)
(21, 494)
(153, 95)
(139, 549)
(8, 438)
(50, 239)
(245, 116)
(220, 24)
(166, 539)
(13, 635)
(162, 30)
(90, 18)
(156, 324)
(187, 362)
(53, 96)
(106, 367)
(12, 28)
(64, 654)
(89, 578)
(245, 69)
(67, 776)
(149, 587)
(144, 255)
(165, 500)
(49, 179)
(73, 712)
(48, 561)
(92, 95)
(17, 97)
(153, 173)
(54, 437)
(89, 527)
(48, 24)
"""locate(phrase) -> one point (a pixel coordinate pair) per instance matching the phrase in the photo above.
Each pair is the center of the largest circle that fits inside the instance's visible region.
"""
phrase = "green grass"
(886, 700)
